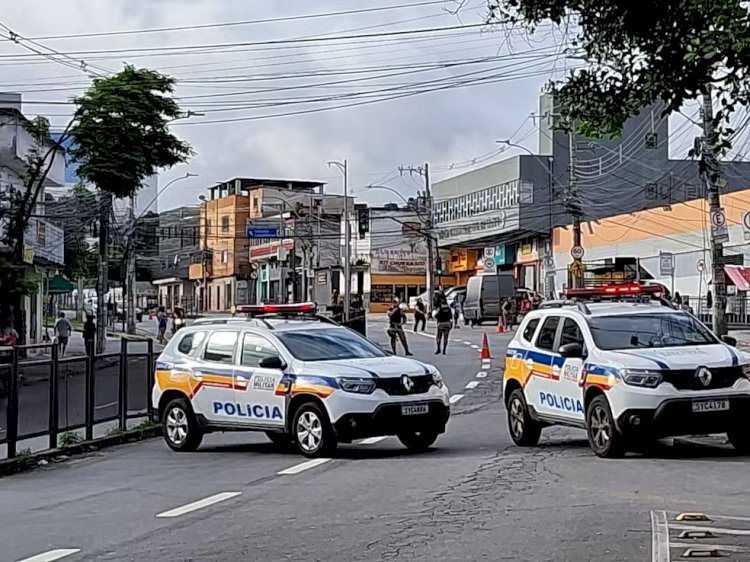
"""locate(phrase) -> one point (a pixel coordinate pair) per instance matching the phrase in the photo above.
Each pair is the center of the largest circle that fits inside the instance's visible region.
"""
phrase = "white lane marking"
(52, 555)
(200, 504)
(425, 335)
(297, 468)
(659, 537)
(455, 398)
(482, 375)
(726, 547)
(467, 343)
(485, 367)
(457, 341)
(373, 440)
(716, 530)
(108, 405)
(472, 384)
(474, 346)
(486, 360)
(730, 517)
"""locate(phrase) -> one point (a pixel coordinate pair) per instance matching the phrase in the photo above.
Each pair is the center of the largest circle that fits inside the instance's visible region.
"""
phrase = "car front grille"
(395, 387)
(686, 379)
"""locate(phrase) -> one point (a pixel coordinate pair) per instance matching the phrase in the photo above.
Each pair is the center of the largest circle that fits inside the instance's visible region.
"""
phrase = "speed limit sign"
(576, 252)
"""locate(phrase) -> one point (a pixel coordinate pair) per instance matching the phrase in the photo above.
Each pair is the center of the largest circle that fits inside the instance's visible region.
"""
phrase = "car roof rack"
(581, 306)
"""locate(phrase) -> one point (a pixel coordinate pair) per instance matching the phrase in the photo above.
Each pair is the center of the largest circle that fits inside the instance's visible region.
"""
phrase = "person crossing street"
(397, 319)
(444, 317)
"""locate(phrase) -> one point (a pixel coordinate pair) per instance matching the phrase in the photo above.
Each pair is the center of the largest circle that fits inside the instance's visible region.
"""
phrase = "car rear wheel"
(417, 440)
(524, 430)
(740, 440)
(312, 432)
(181, 430)
(604, 438)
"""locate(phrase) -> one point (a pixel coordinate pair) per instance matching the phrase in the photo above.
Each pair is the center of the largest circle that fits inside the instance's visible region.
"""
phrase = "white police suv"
(298, 377)
(628, 371)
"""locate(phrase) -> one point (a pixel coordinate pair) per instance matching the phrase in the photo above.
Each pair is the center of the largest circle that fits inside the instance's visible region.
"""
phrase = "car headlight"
(437, 378)
(641, 377)
(357, 386)
(746, 370)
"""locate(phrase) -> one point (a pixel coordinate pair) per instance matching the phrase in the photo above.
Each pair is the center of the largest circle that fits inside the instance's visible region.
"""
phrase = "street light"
(392, 190)
(163, 189)
(344, 169)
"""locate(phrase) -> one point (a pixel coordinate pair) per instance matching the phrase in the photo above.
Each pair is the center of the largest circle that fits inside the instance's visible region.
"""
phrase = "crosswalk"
(699, 536)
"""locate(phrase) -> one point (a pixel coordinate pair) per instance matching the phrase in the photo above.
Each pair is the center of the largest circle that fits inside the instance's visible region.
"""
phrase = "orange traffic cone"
(485, 351)
(500, 328)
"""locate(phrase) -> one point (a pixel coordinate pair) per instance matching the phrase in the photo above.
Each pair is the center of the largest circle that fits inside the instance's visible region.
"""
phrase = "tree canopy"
(121, 131)
(639, 53)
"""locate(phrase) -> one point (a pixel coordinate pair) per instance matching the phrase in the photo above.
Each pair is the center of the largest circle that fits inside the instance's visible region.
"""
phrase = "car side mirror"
(729, 340)
(571, 350)
(272, 362)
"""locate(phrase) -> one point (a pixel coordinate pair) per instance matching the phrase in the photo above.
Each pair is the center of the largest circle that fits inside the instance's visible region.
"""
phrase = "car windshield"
(328, 344)
(633, 331)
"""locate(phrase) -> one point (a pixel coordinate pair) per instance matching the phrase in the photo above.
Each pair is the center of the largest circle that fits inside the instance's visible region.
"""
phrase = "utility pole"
(344, 167)
(575, 210)
(426, 221)
(712, 177)
(105, 207)
(130, 275)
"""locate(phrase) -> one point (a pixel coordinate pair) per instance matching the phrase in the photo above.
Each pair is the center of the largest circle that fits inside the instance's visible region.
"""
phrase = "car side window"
(190, 342)
(528, 332)
(571, 332)
(255, 348)
(546, 337)
(220, 347)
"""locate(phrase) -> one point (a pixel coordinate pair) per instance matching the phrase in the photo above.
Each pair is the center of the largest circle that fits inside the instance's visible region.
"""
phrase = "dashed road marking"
(474, 346)
(455, 398)
(467, 343)
(659, 537)
(485, 367)
(426, 335)
(52, 555)
(373, 440)
(472, 384)
(482, 374)
(716, 530)
(200, 504)
(297, 468)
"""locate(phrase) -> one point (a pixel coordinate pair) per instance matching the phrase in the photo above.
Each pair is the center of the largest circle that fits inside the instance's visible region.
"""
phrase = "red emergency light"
(614, 290)
(298, 308)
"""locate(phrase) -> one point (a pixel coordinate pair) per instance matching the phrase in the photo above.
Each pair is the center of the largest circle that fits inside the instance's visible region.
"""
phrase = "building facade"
(178, 235)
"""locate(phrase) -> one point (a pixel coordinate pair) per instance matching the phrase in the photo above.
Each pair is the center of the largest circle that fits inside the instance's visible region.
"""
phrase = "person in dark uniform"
(397, 319)
(420, 315)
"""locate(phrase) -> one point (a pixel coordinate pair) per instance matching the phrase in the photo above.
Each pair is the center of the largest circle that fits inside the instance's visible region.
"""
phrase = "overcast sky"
(227, 79)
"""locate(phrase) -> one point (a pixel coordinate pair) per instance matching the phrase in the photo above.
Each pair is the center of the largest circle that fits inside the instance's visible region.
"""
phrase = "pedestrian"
(89, 335)
(444, 318)
(161, 319)
(456, 306)
(397, 319)
(62, 330)
(505, 313)
(420, 315)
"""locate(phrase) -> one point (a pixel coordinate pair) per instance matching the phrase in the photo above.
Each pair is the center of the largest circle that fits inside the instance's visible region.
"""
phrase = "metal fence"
(737, 310)
(43, 394)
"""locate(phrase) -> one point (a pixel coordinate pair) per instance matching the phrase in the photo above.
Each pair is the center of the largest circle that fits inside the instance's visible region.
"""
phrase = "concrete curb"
(26, 463)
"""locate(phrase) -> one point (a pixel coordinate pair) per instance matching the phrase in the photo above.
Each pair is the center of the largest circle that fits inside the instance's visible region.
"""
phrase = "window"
(381, 293)
(190, 342)
(528, 333)
(208, 226)
(634, 331)
(220, 347)
(328, 344)
(255, 348)
(225, 224)
(546, 337)
(225, 256)
(571, 333)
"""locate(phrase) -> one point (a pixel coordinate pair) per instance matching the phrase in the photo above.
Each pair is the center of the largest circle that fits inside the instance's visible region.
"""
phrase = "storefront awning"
(739, 276)
(59, 285)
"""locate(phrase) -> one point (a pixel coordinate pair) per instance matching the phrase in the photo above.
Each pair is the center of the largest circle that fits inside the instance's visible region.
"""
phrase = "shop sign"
(459, 261)
(500, 254)
(398, 261)
(528, 252)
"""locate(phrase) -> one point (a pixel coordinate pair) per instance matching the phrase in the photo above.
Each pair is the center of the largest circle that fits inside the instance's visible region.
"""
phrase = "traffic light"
(363, 220)
(438, 266)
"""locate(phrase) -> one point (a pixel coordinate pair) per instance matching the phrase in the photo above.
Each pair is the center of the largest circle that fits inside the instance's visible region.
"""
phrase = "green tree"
(669, 51)
(121, 137)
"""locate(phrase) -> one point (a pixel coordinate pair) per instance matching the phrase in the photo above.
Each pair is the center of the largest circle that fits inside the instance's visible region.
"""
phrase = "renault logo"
(407, 383)
(704, 376)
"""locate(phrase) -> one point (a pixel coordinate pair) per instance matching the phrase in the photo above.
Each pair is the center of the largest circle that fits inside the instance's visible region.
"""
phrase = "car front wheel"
(181, 430)
(312, 432)
(524, 430)
(417, 440)
(604, 438)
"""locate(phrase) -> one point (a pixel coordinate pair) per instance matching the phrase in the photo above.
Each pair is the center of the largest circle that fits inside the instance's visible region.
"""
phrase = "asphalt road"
(474, 496)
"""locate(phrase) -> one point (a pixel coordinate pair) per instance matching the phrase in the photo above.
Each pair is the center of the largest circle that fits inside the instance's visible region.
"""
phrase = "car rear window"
(190, 342)
(328, 344)
(220, 347)
(528, 332)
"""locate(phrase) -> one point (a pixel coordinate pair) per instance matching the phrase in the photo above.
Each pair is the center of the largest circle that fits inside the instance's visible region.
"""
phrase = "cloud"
(443, 127)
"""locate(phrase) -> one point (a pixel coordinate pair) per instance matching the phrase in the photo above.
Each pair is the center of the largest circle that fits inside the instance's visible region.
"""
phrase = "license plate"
(710, 405)
(414, 409)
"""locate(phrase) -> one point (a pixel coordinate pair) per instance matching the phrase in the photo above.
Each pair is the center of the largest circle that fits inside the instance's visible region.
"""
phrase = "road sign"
(253, 232)
(666, 264)
(489, 265)
(253, 274)
(577, 252)
(719, 230)
(746, 225)
(700, 265)
(549, 263)
(489, 252)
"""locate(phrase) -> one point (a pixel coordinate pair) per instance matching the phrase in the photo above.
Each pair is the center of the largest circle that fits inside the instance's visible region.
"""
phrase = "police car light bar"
(614, 290)
(300, 308)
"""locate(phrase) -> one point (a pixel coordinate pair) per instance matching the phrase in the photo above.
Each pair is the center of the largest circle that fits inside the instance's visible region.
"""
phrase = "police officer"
(397, 319)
